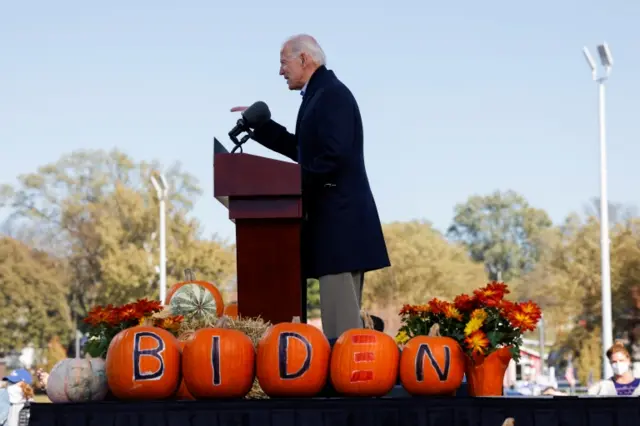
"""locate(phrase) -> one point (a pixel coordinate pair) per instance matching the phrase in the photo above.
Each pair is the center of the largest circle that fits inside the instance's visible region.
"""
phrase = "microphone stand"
(238, 143)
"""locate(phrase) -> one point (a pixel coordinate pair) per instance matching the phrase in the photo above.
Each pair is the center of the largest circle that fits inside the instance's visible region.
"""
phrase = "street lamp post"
(162, 190)
(607, 323)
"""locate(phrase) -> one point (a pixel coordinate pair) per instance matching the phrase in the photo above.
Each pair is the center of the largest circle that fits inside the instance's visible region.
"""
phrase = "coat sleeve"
(276, 137)
(336, 123)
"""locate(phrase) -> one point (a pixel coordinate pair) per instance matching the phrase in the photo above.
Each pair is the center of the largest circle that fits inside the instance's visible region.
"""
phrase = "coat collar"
(319, 79)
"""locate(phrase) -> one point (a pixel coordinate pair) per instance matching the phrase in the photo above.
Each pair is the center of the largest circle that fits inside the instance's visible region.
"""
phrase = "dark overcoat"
(341, 230)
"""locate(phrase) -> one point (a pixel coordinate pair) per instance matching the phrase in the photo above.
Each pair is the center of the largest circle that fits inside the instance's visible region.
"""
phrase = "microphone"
(252, 118)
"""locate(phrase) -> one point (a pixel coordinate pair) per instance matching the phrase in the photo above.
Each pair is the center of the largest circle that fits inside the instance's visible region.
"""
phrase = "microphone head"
(256, 115)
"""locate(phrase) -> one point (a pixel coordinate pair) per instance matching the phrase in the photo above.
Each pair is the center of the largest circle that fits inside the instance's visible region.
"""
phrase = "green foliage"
(313, 298)
(424, 265)
(590, 356)
(500, 230)
(33, 297)
(99, 212)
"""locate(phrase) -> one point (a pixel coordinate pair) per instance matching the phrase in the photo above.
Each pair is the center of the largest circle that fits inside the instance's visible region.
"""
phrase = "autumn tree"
(500, 230)
(33, 296)
(566, 282)
(424, 265)
(99, 211)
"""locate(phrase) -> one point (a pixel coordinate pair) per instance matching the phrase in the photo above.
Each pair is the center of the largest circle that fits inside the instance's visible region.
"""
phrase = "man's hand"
(239, 109)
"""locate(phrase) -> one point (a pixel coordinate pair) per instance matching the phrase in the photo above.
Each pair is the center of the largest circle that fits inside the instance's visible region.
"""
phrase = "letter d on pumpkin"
(293, 360)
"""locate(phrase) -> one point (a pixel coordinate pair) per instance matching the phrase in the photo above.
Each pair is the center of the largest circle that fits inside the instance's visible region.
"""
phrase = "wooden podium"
(264, 200)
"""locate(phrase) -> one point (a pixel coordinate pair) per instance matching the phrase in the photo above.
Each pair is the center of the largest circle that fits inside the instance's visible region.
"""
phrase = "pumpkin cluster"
(291, 360)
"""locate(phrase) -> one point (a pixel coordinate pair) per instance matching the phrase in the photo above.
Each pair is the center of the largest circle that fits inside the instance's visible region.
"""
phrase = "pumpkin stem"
(434, 331)
(366, 320)
(295, 320)
(223, 322)
(189, 275)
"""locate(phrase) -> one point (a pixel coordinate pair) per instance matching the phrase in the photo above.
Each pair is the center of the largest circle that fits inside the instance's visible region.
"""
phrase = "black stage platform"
(452, 411)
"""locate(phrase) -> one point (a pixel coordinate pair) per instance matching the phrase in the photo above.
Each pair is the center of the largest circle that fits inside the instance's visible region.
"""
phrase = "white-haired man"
(341, 234)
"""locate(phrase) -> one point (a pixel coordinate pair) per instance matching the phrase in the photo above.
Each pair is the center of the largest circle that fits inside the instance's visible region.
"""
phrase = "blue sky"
(457, 99)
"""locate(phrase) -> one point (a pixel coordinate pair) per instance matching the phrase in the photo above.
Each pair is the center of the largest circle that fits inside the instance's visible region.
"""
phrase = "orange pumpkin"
(143, 363)
(231, 310)
(432, 365)
(364, 362)
(183, 393)
(219, 363)
(293, 360)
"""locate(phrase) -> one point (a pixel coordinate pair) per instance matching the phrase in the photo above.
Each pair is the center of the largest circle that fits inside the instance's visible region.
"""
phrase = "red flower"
(407, 310)
(463, 303)
(437, 306)
(146, 306)
(129, 312)
(492, 294)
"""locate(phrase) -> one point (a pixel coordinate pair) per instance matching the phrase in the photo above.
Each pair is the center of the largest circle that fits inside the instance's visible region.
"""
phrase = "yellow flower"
(402, 337)
(477, 342)
(473, 325)
(480, 314)
(451, 312)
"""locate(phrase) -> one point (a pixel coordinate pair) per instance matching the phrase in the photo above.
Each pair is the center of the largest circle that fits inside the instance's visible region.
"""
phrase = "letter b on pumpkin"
(143, 363)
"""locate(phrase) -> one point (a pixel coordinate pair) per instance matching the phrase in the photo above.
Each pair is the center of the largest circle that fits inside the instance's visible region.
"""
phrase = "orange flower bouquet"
(107, 321)
(481, 323)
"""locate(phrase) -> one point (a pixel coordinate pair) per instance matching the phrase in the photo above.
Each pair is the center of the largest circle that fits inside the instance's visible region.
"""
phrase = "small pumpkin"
(77, 380)
(292, 360)
(143, 363)
(432, 365)
(364, 362)
(219, 363)
(231, 310)
(193, 298)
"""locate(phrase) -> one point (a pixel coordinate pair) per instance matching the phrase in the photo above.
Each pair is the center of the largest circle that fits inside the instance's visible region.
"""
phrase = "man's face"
(291, 68)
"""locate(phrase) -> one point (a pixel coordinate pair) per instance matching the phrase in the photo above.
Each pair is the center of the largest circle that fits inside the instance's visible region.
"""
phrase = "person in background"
(13, 397)
(623, 382)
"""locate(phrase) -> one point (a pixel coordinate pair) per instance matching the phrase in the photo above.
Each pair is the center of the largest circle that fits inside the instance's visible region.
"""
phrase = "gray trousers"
(340, 301)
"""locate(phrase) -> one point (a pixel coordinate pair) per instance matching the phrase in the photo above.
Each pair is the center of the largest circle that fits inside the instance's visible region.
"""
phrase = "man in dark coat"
(341, 232)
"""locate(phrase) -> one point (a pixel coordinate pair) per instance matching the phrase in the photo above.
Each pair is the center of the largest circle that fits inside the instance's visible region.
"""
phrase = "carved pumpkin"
(143, 363)
(183, 393)
(219, 363)
(192, 298)
(364, 362)
(231, 310)
(432, 365)
(77, 380)
(293, 360)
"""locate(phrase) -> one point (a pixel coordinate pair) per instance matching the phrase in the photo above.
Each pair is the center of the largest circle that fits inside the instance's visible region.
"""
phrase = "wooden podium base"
(270, 281)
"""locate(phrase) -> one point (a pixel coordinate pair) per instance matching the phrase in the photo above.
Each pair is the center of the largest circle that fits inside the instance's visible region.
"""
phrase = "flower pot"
(485, 374)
